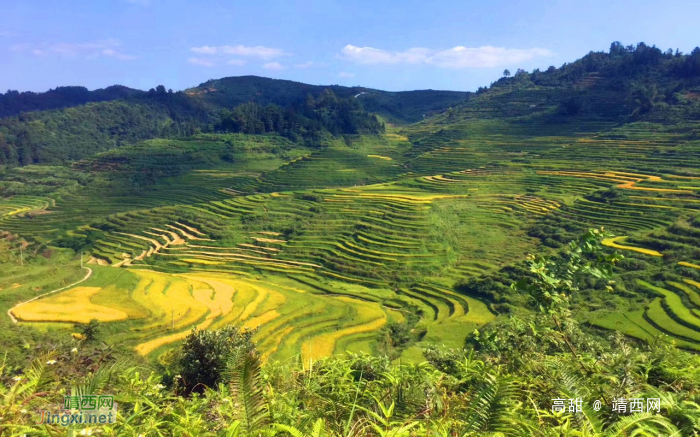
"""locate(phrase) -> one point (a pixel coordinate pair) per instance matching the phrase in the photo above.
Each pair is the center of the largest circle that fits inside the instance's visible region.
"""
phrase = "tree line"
(70, 134)
(327, 113)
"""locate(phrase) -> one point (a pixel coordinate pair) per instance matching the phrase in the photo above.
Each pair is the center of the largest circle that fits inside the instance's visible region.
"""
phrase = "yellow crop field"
(612, 242)
(69, 306)
(693, 283)
(149, 346)
(159, 310)
(386, 158)
(687, 264)
(369, 317)
(262, 319)
(324, 344)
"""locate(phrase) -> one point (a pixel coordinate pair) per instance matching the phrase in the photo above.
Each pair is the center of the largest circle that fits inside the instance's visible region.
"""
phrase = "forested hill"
(77, 132)
(623, 84)
(398, 107)
(13, 102)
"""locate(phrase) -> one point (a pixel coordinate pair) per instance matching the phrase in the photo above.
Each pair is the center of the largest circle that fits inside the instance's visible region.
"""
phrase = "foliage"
(236, 105)
(245, 383)
(14, 102)
(309, 120)
(90, 330)
(205, 355)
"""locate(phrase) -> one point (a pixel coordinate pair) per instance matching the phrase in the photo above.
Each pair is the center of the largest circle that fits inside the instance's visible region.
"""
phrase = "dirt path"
(12, 317)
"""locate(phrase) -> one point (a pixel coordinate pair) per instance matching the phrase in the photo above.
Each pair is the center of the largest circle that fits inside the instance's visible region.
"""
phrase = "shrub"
(90, 330)
(205, 354)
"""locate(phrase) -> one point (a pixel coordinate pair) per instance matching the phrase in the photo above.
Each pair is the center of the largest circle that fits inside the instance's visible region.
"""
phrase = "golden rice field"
(80, 302)
(157, 310)
(614, 243)
(153, 311)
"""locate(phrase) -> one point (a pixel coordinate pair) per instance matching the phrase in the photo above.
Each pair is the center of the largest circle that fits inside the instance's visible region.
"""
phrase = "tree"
(90, 330)
(555, 279)
(571, 106)
(506, 73)
(205, 355)
(616, 49)
(645, 99)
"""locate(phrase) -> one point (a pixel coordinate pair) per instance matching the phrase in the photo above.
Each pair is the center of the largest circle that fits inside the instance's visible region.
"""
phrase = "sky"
(390, 45)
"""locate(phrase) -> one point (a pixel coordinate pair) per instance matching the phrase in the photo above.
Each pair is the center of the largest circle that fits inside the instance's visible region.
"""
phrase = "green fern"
(643, 425)
(493, 407)
(247, 393)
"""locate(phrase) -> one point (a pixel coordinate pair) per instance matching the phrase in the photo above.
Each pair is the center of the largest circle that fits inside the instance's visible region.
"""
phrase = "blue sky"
(392, 45)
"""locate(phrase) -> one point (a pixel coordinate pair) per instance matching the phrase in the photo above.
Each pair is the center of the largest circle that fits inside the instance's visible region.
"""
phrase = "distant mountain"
(91, 126)
(14, 102)
(396, 107)
(624, 84)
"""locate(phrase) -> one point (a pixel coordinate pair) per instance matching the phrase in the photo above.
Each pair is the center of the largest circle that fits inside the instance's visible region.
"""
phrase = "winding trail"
(12, 317)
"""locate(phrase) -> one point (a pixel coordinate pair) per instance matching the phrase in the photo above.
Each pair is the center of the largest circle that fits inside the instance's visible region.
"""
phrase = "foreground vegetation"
(503, 384)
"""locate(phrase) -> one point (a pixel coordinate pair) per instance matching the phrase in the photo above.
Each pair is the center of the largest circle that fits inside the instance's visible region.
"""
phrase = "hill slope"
(14, 102)
(399, 107)
(62, 135)
(623, 85)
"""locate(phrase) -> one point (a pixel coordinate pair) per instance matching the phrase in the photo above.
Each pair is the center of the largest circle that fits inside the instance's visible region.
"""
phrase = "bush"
(205, 354)
(90, 330)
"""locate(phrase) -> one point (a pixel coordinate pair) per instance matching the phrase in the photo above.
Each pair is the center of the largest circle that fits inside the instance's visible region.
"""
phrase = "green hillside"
(13, 102)
(64, 135)
(398, 107)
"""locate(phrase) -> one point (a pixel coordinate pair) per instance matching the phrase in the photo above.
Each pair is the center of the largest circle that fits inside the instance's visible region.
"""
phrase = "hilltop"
(13, 102)
(623, 85)
(57, 136)
(399, 107)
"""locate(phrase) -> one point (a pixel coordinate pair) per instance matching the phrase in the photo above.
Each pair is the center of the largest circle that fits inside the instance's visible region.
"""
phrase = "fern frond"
(294, 432)
(247, 391)
(493, 407)
(643, 424)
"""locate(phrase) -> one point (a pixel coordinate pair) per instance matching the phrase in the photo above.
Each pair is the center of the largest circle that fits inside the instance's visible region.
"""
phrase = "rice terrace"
(334, 264)
(336, 221)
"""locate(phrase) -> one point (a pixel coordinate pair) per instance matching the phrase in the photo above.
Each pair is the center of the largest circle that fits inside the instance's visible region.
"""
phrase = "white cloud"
(262, 52)
(103, 48)
(212, 55)
(456, 57)
(345, 74)
(117, 55)
(273, 66)
(204, 50)
(202, 62)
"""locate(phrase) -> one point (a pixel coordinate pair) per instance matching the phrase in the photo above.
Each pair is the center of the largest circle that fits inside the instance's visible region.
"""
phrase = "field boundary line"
(12, 317)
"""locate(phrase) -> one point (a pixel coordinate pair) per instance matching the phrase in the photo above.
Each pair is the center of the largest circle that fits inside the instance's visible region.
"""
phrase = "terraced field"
(325, 248)
(152, 311)
(675, 313)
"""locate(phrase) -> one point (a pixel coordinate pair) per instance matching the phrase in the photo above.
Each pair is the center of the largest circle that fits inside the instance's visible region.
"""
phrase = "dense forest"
(327, 113)
(624, 84)
(14, 102)
(620, 65)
